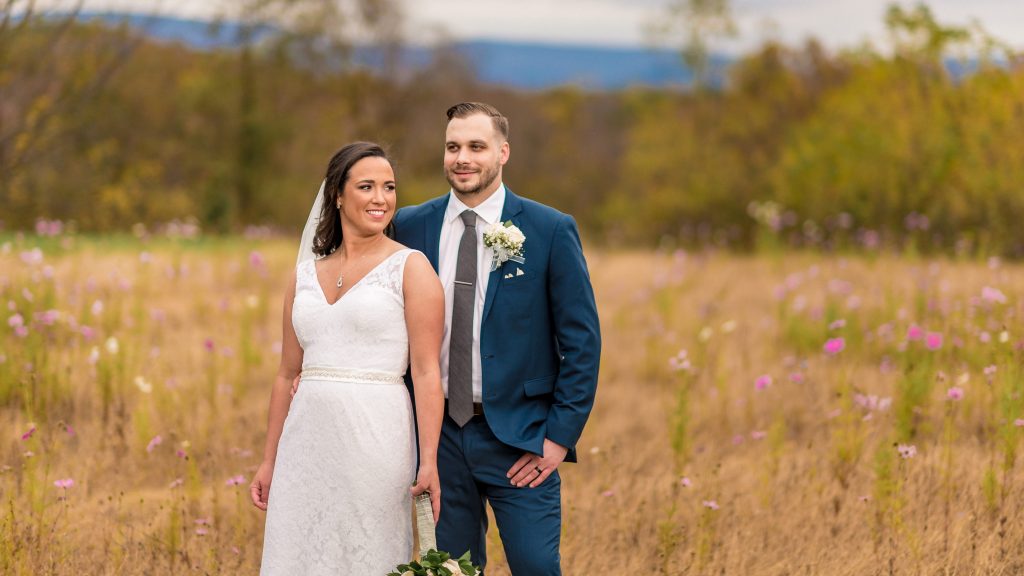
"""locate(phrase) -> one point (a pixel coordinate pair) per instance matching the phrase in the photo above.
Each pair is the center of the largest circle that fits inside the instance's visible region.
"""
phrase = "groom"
(520, 351)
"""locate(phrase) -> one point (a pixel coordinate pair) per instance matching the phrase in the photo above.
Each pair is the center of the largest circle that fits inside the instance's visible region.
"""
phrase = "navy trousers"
(472, 464)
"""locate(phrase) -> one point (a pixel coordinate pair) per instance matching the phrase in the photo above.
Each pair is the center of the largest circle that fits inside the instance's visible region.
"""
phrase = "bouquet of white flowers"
(435, 563)
(432, 562)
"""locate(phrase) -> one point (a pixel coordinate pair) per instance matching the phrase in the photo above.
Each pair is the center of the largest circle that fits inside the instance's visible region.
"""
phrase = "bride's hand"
(427, 480)
(259, 488)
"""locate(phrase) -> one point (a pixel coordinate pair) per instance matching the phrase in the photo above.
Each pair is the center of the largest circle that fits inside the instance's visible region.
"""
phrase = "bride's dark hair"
(328, 231)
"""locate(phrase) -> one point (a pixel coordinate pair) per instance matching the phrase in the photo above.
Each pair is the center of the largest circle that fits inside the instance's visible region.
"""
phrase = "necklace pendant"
(341, 279)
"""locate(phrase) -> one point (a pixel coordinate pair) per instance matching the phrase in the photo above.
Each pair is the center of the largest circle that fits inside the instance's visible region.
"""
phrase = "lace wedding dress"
(339, 497)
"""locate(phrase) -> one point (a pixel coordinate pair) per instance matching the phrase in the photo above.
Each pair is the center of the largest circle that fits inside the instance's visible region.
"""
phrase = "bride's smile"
(367, 201)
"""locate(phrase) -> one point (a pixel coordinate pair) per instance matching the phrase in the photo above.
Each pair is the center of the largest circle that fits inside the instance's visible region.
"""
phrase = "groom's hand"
(532, 470)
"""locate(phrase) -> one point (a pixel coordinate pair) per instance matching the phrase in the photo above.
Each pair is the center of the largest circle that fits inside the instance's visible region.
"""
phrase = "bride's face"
(368, 197)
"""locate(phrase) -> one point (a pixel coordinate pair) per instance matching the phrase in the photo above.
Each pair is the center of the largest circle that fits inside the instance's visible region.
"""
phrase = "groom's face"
(474, 153)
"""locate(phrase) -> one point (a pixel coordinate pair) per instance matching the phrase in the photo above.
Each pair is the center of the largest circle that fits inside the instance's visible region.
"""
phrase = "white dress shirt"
(488, 212)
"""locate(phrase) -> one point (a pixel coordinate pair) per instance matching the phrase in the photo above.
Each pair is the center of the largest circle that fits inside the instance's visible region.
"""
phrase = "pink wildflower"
(30, 432)
(208, 344)
(608, 493)
(64, 483)
(156, 441)
(933, 341)
(993, 295)
(758, 435)
(834, 346)
(915, 332)
(837, 324)
(256, 259)
(15, 321)
(202, 531)
(710, 504)
(955, 393)
(763, 382)
(796, 378)
(177, 482)
(907, 451)
(685, 482)
(235, 480)
(1019, 422)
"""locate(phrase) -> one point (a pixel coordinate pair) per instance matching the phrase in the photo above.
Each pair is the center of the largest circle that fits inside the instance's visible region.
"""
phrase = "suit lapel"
(510, 211)
(432, 232)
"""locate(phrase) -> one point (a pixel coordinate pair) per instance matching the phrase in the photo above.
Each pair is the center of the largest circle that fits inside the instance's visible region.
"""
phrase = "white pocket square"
(519, 272)
(509, 275)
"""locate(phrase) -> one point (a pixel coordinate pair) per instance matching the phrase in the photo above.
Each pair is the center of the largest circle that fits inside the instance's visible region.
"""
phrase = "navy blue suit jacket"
(540, 341)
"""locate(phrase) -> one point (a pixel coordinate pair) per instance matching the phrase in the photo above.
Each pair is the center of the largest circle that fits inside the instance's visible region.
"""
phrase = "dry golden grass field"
(781, 414)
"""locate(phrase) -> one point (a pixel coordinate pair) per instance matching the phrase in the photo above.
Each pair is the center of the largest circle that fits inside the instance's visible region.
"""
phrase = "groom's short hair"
(466, 109)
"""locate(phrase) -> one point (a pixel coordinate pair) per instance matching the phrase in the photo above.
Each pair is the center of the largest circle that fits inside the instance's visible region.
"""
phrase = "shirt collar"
(489, 210)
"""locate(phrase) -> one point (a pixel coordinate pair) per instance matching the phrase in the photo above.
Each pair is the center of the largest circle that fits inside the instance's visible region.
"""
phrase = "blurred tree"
(700, 23)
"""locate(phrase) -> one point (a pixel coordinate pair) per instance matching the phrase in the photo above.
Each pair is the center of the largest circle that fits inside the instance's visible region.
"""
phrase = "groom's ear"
(505, 152)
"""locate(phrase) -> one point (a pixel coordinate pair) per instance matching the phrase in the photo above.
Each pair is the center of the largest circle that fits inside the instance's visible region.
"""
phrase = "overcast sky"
(838, 23)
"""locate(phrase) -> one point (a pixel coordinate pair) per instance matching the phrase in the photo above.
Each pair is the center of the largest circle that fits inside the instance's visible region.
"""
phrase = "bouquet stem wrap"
(425, 524)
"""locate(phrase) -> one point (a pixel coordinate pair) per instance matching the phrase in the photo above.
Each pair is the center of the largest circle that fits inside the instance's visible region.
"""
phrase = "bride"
(340, 456)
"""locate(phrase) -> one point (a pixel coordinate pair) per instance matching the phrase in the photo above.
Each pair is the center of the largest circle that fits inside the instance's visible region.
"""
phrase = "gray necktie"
(460, 347)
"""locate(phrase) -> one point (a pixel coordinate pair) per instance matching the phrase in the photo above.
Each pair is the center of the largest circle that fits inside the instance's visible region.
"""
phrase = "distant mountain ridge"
(529, 66)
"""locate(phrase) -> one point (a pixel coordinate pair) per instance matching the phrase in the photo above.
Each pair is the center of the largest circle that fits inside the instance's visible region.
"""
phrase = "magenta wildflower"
(763, 382)
(933, 340)
(208, 344)
(955, 393)
(834, 346)
(28, 434)
(20, 331)
(915, 332)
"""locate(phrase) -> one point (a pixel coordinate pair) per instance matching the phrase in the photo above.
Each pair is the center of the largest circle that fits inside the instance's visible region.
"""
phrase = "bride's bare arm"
(424, 319)
(280, 400)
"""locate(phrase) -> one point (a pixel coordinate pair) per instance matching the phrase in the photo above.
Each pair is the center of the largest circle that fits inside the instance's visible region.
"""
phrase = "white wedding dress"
(339, 498)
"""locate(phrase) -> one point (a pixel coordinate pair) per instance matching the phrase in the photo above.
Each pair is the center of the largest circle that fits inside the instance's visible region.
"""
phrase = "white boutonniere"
(506, 240)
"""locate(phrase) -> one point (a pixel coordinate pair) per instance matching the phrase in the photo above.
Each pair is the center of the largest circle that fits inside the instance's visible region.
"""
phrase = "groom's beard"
(487, 175)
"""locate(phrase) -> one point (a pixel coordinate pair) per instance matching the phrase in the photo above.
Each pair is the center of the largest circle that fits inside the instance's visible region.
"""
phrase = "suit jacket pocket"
(540, 386)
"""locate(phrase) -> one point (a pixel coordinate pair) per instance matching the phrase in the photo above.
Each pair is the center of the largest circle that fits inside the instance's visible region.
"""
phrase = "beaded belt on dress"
(350, 375)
